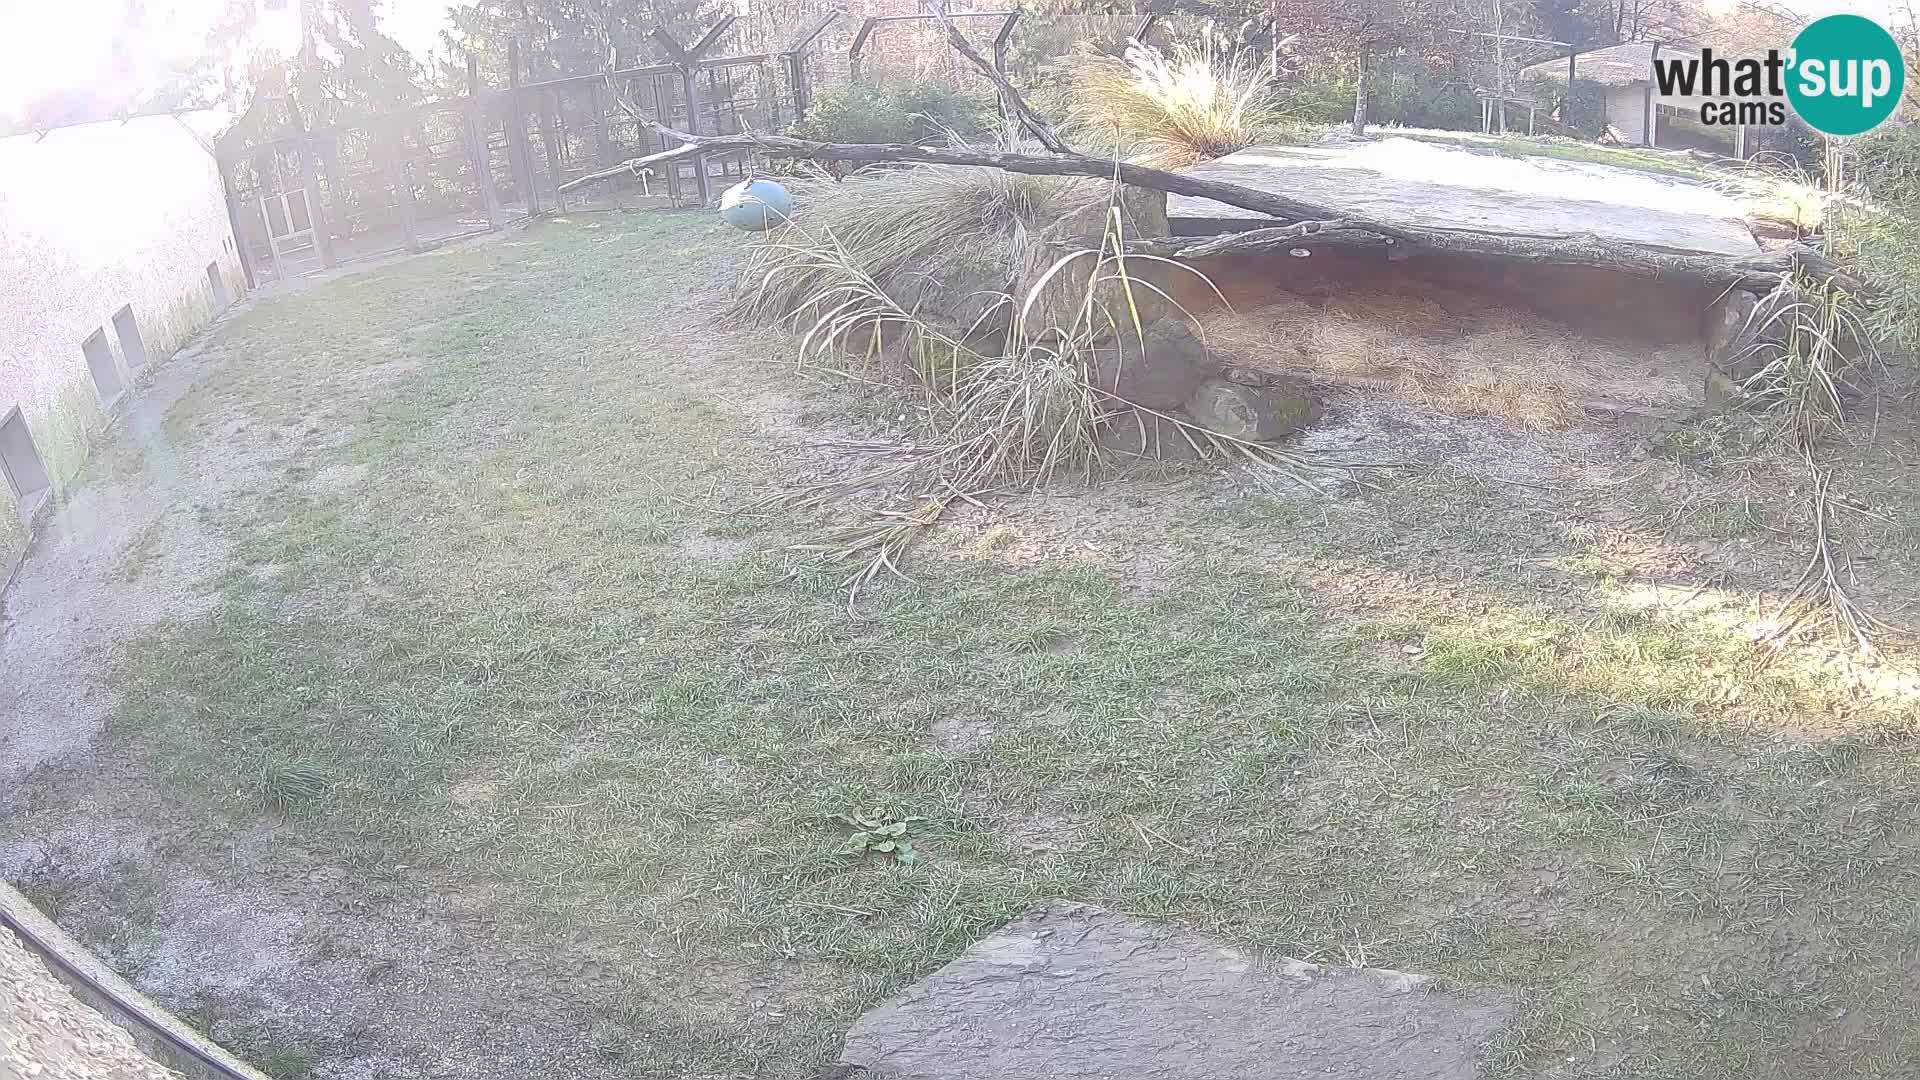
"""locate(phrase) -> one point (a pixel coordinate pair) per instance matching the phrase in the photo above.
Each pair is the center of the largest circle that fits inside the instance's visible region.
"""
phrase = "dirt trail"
(77, 596)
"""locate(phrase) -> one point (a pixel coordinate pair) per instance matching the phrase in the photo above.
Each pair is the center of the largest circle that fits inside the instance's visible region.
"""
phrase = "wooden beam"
(310, 190)
(690, 84)
(602, 143)
(797, 79)
(476, 135)
(519, 157)
(859, 46)
(711, 37)
(234, 220)
(673, 46)
(576, 80)
(1002, 39)
(547, 105)
(1010, 99)
(813, 30)
(743, 60)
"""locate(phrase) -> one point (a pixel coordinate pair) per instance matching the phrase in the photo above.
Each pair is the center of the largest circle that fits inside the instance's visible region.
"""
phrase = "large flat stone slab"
(1407, 182)
(1073, 992)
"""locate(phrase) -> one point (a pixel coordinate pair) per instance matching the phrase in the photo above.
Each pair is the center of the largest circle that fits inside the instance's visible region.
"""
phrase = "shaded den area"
(1539, 344)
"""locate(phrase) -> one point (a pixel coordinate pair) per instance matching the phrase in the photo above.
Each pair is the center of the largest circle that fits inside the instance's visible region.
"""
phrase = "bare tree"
(1364, 31)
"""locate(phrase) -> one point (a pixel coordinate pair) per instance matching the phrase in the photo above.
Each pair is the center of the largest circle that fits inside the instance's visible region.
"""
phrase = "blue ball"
(755, 205)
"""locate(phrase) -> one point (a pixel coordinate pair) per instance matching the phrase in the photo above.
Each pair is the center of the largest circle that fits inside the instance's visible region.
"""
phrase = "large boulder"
(1253, 413)
(1731, 328)
(1159, 369)
(1072, 992)
(1145, 436)
(1142, 213)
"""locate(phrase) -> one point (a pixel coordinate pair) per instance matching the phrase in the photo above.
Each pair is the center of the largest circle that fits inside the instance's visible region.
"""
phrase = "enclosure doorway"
(289, 221)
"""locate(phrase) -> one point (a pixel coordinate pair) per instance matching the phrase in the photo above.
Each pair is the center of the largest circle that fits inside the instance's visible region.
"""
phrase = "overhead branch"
(1016, 105)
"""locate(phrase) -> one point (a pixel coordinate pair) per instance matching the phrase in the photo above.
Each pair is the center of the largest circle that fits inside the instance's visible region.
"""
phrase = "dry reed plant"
(1816, 346)
(1814, 342)
(1200, 101)
(1773, 187)
(947, 243)
(1009, 420)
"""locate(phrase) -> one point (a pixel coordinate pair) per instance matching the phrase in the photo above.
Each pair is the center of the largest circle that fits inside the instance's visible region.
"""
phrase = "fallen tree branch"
(1821, 592)
(1265, 202)
(1760, 272)
(1314, 226)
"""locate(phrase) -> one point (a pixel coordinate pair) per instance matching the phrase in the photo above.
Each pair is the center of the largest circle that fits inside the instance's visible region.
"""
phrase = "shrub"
(1883, 234)
(1202, 101)
(1411, 94)
(1405, 92)
(1321, 99)
(913, 113)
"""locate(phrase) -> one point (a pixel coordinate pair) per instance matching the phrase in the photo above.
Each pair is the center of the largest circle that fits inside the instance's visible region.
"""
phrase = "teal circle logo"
(1846, 75)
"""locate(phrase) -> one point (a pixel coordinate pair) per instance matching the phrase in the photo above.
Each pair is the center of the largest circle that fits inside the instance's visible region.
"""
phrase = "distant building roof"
(1615, 65)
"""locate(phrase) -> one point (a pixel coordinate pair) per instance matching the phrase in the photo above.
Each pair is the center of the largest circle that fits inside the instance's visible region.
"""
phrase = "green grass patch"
(509, 660)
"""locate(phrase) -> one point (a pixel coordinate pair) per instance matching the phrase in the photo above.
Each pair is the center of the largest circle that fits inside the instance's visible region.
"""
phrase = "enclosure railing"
(422, 175)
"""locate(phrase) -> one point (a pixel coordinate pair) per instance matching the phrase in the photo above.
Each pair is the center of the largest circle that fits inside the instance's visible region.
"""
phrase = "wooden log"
(1322, 227)
(1760, 272)
(400, 178)
(519, 157)
(1305, 224)
(476, 135)
(548, 106)
(1285, 207)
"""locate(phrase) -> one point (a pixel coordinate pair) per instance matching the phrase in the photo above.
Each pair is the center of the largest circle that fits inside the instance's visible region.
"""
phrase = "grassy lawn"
(490, 632)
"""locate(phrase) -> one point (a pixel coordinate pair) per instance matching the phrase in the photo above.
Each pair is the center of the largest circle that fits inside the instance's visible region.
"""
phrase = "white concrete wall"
(1627, 110)
(92, 218)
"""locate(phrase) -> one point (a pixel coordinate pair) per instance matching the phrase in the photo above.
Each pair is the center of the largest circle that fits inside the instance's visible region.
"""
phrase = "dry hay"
(1492, 362)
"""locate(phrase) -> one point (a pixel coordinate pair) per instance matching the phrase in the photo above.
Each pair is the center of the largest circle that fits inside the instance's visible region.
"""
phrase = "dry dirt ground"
(401, 694)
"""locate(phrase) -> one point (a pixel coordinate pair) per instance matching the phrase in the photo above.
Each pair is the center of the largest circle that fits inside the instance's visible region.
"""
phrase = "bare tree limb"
(1760, 272)
(1016, 105)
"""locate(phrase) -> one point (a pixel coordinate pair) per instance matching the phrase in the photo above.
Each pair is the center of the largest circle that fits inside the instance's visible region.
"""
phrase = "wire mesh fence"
(416, 177)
